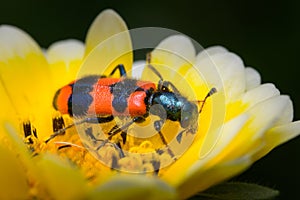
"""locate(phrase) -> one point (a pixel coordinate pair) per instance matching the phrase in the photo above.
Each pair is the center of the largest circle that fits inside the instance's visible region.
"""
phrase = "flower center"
(92, 151)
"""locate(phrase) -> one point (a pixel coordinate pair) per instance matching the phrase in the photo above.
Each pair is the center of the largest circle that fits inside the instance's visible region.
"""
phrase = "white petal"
(14, 41)
(259, 94)
(24, 71)
(66, 51)
(106, 24)
(287, 114)
(171, 58)
(138, 68)
(263, 93)
(65, 58)
(174, 51)
(267, 114)
(253, 78)
(200, 178)
(263, 116)
(230, 69)
(209, 72)
(279, 135)
(133, 187)
(212, 51)
(108, 44)
(284, 133)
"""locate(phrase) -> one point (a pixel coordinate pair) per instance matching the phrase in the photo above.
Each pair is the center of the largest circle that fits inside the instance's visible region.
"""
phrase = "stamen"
(30, 135)
(136, 157)
(27, 129)
(58, 124)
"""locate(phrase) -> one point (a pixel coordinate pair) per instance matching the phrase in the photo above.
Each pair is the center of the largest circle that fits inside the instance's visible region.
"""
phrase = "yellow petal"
(228, 132)
(15, 42)
(25, 77)
(108, 44)
(14, 141)
(17, 146)
(62, 180)
(206, 157)
(263, 116)
(8, 113)
(13, 180)
(65, 58)
(211, 118)
(134, 187)
(22, 67)
(206, 177)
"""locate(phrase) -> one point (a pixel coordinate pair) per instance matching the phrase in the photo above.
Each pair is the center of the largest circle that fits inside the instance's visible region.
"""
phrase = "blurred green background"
(264, 33)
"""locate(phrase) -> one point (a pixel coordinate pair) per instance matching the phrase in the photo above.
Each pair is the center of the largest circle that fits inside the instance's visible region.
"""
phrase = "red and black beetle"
(107, 97)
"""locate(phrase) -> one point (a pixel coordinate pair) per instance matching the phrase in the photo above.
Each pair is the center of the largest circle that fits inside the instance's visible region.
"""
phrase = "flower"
(239, 124)
(255, 117)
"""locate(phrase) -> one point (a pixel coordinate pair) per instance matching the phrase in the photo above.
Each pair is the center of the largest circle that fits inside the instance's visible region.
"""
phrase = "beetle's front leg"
(158, 126)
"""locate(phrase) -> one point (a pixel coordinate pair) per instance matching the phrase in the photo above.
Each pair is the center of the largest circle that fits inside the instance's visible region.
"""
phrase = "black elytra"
(81, 99)
(121, 91)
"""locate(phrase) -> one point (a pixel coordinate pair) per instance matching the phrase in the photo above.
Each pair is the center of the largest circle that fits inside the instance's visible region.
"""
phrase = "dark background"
(265, 34)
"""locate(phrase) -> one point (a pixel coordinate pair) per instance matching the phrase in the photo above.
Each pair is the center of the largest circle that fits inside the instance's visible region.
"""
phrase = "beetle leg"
(117, 129)
(121, 69)
(117, 146)
(158, 125)
(168, 85)
(85, 120)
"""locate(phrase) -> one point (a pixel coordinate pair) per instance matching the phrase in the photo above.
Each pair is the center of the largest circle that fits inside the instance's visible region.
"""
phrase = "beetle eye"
(189, 115)
(185, 121)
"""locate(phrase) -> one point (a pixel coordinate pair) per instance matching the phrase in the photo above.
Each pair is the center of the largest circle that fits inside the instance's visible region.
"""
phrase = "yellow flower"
(246, 121)
(239, 124)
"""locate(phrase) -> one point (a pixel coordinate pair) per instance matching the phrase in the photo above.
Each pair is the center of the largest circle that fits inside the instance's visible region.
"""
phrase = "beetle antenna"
(161, 84)
(67, 144)
(148, 61)
(211, 92)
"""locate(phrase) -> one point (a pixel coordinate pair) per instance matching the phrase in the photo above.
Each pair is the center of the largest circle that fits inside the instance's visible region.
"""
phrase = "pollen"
(97, 157)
